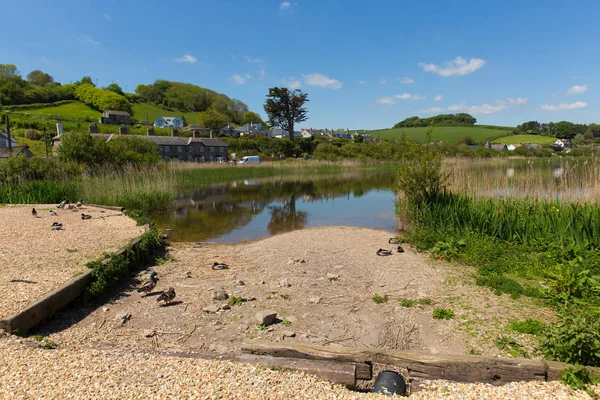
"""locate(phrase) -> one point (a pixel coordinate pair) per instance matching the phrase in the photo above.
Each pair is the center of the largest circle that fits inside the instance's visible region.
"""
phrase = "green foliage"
(443, 313)
(448, 250)
(523, 139)
(528, 326)
(284, 108)
(447, 134)
(101, 99)
(407, 302)
(577, 377)
(380, 299)
(106, 272)
(251, 117)
(19, 169)
(511, 346)
(212, 120)
(420, 173)
(287, 323)
(39, 78)
(425, 301)
(460, 119)
(113, 87)
(236, 301)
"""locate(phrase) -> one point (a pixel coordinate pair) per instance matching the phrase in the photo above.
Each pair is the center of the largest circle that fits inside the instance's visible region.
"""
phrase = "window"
(201, 149)
(212, 149)
(222, 149)
(179, 149)
(167, 149)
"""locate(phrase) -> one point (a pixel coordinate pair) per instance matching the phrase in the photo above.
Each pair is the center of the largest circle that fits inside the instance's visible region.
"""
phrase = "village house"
(115, 117)
(4, 140)
(168, 122)
(495, 146)
(252, 129)
(6, 152)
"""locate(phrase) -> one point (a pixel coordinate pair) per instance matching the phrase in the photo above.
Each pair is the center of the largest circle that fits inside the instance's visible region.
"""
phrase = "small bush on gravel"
(529, 326)
(425, 302)
(443, 313)
(380, 299)
(236, 301)
(407, 302)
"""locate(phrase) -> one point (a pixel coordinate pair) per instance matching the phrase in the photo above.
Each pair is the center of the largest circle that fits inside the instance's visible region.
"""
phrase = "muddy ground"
(321, 282)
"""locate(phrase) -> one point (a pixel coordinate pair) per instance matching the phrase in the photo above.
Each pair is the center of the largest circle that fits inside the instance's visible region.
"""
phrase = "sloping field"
(70, 110)
(518, 139)
(153, 112)
(451, 134)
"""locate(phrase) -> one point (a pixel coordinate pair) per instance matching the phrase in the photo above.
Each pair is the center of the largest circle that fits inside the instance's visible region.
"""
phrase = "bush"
(32, 134)
(420, 174)
(380, 299)
(443, 313)
(528, 326)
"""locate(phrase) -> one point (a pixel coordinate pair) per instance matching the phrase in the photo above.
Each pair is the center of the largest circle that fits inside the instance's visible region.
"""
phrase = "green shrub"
(32, 134)
(380, 299)
(407, 302)
(443, 313)
(529, 326)
(426, 301)
(236, 301)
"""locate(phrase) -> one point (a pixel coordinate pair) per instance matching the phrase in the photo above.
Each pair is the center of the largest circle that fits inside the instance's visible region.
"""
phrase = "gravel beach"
(36, 260)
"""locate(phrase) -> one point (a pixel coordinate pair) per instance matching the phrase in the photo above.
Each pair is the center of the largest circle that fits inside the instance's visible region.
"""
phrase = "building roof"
(116, 112)
(168, 119)
(251, 128)
(209, 142)
(5, 151)
(164, 140)
(498, 146)
(194, 127)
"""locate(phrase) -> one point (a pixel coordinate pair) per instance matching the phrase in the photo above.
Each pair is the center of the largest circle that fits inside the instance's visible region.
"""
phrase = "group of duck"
(150, 284)
(384, 252)
(56, 226)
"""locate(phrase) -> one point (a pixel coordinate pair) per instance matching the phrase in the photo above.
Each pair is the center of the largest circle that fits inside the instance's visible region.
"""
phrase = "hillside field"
(73, 110)
(519, 139)
(451, 134)
(140, 109)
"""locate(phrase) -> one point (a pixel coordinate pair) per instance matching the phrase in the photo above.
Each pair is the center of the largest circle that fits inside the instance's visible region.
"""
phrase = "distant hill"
(450, 134)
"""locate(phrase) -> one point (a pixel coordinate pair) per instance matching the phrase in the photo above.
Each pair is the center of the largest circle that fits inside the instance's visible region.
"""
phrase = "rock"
(220, 294)
(105, 309)
(262, 282)
(290, 262)
(284, 283)
(288, 334)
(314, 300)
(266, 317)
(251, 299)
(338, 266)
(225, 307)
(331, 276)
(123, 317)
(149, 333)
(211, 309)
(239, 283)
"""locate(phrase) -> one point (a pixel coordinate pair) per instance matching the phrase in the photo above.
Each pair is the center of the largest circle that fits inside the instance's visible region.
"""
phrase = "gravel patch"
(36, 260)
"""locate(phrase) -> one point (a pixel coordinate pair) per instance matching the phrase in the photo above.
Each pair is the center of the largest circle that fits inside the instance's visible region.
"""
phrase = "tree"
(284, 108)
(86, 80)
(39, 78)
(565, 130)
(250, 117)
(593, 130)
(358, 138)
(113, 87)
(212, 120)
(8, 71)
(468, 140)
(184, 120)
(82, 148)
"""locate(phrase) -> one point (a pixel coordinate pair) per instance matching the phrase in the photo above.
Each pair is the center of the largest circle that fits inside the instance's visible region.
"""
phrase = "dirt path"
(321, 282)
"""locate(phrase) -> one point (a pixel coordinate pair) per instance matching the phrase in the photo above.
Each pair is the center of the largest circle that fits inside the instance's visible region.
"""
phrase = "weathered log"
(461, 368)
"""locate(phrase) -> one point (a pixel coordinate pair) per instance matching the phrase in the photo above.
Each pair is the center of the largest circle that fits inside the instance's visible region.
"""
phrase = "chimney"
(150, 131)
(211, 134)
(93, 128)
(59, 128)
(123, 130)
(174, 132)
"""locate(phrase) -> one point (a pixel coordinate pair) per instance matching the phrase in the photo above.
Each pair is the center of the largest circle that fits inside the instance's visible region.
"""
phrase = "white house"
(558, 143)
(511, 147)
(168, 122)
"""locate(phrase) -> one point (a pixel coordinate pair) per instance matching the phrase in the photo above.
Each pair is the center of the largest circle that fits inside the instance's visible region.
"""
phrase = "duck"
(62, 204)
(52, 213)
(79, 203)
(383, 252)
(217, 266)
(33, 212)
(149, 285)
(56, 228)
(85, 216)
(57, 224)
(167, 296)
(399, 249)
(394, 241)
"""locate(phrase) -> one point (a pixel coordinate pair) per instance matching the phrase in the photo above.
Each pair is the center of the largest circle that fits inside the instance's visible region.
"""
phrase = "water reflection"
(252, 209)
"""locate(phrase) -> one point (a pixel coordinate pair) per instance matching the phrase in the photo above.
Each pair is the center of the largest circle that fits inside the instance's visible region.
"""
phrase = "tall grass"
(38, 192)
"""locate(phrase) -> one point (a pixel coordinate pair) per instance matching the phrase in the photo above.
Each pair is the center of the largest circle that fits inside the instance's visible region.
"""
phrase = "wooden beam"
(461, 368)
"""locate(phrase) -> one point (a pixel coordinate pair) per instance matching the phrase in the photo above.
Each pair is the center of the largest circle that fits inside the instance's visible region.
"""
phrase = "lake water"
(254, 209)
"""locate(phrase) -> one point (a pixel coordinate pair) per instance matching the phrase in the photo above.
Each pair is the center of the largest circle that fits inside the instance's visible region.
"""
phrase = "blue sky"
(364, 64)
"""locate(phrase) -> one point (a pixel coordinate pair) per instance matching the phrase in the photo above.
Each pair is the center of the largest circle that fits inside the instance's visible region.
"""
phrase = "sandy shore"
(35, 260)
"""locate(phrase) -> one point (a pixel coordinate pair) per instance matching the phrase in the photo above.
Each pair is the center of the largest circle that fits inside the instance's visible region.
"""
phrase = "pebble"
(220, 294)
(211, 309)
(123, 317)
(314, 300)
(265, 317)
(149, 333)
(288, 334)
(284, 283)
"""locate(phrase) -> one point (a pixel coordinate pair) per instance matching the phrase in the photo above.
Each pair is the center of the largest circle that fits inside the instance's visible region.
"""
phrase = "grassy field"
(140, 110)
(449, 134)
(71, 110)
(517, 139)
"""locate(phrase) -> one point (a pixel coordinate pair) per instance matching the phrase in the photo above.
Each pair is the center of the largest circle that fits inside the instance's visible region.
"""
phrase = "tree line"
(562, 129)
(460, 119)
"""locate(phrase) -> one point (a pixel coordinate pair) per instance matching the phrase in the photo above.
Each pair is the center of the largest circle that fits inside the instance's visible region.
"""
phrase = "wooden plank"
(364, 371)
(340, 373)
(461, 368)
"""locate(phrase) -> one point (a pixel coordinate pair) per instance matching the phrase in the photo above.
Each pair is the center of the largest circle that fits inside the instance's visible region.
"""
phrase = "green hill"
(519, 139)
(140, 110)
(450, 134)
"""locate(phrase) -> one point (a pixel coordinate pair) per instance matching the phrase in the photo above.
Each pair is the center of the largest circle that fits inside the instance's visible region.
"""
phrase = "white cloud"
(321, 80)
(458, 66)
(406, 80)
(432, 110)
(518, 100)
(253, 60)
(362, 83)
(403, 96)
(565, 106)
(475, 110)
(285, 5)
(187, 58)
(577, 89)
(239, 79)
(439, 97)
(554, 95)
(292, 83)
(383, 81)
(106, 16)
(88, 40)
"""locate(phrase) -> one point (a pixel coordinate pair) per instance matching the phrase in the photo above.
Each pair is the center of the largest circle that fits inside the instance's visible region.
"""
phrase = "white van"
(250, 160)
